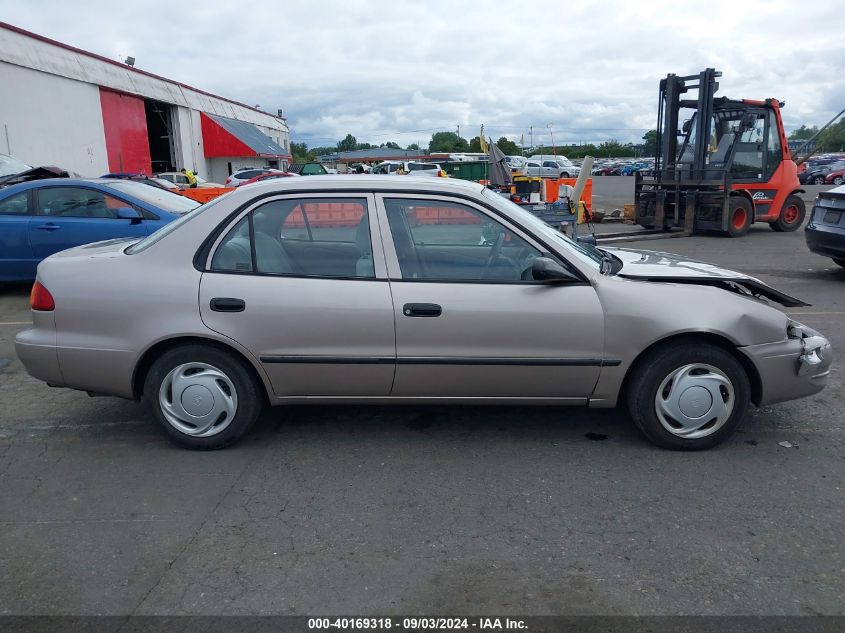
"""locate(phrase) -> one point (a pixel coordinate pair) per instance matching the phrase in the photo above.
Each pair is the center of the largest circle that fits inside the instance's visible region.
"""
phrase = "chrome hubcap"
(198, 399)
(694, 401)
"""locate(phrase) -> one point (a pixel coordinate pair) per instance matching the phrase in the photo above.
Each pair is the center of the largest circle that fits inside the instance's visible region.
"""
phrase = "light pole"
(552, 134)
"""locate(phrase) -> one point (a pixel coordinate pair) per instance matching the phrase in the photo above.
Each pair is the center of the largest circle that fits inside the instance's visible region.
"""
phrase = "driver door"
(470, 321)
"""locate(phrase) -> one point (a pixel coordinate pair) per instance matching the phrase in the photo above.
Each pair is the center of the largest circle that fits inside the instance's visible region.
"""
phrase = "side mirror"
(128, 213)
(547, 269)
(686, 126)
(587, 239)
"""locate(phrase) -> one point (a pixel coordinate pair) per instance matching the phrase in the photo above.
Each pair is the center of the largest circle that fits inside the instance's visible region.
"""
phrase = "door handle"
(227, 304)
(422, 310)
(48, 227)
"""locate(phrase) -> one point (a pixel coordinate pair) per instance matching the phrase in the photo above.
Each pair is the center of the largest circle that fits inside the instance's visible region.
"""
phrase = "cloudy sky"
(401, 70)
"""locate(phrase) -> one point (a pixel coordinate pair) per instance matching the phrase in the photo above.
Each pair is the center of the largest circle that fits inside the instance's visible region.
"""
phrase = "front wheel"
(688, 397)
(838, 180)
(791, 215)
(818, 180)
(740, 215)
(202, 396)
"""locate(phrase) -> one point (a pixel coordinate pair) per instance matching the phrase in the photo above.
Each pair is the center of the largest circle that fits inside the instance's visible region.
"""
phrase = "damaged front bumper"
(793, 368)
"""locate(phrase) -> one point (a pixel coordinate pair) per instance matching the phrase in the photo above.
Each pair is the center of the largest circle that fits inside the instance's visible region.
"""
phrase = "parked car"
(567, 169)
(816, 174)
(408, 290)
(825, 232)
(160, 183)
(836, 177)
(517, 164)
(416, 168)
(14, 171)
(42, 217)
(241, 176)
(307, 169)
(180, 179)
(544, 169)
(270, 176)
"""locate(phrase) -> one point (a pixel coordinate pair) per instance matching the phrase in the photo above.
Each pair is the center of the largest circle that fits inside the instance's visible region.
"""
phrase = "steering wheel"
(494, 252)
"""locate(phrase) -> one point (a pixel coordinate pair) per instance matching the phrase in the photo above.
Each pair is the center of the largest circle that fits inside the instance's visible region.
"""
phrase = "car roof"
(364, 182)
(107, 183)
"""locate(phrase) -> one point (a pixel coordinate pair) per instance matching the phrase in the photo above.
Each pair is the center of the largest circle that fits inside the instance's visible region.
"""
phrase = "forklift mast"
(669, 107)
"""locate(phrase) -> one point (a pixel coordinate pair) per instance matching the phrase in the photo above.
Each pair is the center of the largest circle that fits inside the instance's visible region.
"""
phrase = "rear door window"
(17, 204)
(326, 237)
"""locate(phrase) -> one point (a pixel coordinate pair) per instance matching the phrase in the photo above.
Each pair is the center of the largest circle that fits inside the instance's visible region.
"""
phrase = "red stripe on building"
(218, 142)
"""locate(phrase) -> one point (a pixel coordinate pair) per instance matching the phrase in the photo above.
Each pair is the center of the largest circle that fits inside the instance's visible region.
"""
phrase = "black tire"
(563, 174)
(839, 262)
(653, 368)
(791, 215)
(740, 214)
(838, 180)
(247, 388)
(818, 180)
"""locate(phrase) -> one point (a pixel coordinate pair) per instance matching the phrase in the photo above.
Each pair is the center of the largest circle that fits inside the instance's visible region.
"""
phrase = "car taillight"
(41, 299)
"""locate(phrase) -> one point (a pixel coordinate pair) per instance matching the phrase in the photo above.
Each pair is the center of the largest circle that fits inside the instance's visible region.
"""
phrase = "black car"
(816, 171)
(826, 231)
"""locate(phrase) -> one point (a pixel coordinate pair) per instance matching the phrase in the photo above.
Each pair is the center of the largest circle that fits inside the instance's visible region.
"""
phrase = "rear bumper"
(36, 349)
(825, 240)
(793, 368)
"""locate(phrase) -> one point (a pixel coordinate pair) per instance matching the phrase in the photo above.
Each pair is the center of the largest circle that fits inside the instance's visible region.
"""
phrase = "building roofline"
(42, 38)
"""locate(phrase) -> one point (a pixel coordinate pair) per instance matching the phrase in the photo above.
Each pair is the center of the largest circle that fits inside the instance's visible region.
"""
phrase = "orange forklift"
(726, 166)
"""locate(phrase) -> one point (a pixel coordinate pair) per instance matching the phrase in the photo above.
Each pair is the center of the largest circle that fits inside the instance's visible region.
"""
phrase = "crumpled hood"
(667, 267)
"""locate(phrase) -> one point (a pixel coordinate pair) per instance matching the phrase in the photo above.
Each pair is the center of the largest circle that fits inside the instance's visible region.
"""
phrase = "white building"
(88, 114)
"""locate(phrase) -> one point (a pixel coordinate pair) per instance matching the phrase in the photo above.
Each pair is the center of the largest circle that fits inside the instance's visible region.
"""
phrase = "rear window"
(168, 228)
(159, 198)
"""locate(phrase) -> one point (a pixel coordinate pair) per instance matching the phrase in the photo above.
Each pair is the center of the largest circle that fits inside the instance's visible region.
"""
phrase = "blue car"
(42, 217)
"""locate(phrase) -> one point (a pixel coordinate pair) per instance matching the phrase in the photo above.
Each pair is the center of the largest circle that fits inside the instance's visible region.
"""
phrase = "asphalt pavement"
(442, 510)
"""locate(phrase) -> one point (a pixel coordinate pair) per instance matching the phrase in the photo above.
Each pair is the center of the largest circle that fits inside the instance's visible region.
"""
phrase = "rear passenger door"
(296, 281)
(17, 261)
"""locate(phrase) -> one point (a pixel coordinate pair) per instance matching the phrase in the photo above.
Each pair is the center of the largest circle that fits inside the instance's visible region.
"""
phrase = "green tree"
(348, 144)
(475, 144)
(803, 133)
(833, 138)
(447, 142)
(363, 146)
(508, 147)
(300, 153)
(650, 139)
(392, 145)
(322, 151)
(413, 147)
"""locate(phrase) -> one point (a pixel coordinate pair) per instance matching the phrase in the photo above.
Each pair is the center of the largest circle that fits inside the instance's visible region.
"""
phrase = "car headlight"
(794, 329)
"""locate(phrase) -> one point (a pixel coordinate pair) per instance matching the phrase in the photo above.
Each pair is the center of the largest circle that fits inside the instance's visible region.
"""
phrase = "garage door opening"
(160, 133)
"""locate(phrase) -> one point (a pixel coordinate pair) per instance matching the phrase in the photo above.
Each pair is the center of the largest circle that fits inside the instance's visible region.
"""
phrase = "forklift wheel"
(740, 217)
(791, 215)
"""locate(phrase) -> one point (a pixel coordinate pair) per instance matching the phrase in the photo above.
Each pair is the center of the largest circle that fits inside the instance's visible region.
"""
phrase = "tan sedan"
(410, 290)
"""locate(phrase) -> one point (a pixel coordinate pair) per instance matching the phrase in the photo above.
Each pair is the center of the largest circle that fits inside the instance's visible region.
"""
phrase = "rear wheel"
(202, 396)
(688, 397)
(838, 180)
(818, 180)
(740, 214)
(791, 215)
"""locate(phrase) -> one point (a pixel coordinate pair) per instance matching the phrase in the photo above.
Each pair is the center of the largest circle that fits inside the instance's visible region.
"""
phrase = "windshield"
(10, 166)
(583, 253)
(159, 198)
